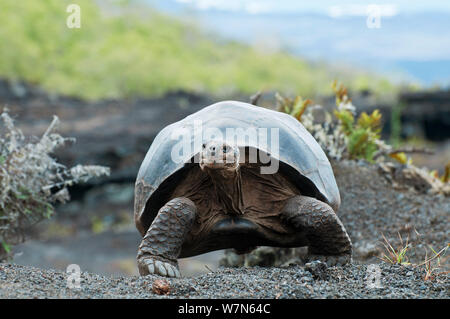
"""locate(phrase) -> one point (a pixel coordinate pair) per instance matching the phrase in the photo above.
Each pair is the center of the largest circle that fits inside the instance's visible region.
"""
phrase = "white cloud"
(249, 6)
(385, 10)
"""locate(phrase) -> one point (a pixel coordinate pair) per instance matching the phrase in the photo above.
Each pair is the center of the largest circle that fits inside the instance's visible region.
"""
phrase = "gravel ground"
(373, 207)
(370, 207)
(256, 282)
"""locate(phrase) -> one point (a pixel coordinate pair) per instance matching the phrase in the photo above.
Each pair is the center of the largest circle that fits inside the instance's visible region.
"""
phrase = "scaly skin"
(314, 223)
(327, 237)
(161, 245)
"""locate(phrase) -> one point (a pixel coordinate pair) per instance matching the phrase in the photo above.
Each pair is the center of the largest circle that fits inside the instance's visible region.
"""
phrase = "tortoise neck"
(228, 187)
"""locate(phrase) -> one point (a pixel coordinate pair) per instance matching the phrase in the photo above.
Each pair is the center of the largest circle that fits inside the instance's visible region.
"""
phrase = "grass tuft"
(396, 256)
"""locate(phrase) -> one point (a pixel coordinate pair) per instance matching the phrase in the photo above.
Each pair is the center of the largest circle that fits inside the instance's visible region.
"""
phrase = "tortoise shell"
(299, 155)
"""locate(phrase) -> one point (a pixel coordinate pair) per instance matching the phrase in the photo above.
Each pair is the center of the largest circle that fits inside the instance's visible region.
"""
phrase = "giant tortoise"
(235, 175)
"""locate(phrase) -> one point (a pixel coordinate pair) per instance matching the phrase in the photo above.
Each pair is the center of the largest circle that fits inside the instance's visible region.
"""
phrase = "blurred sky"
(322, 6)
(413, 38)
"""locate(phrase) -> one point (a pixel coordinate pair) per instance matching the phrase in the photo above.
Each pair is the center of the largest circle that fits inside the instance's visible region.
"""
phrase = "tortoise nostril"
(213, 153)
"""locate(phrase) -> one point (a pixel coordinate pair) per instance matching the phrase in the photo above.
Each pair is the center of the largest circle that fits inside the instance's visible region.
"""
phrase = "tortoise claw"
(149, 266)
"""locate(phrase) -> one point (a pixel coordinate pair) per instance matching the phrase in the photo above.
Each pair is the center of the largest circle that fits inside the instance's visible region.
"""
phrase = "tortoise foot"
(149, 265)
(161, 245)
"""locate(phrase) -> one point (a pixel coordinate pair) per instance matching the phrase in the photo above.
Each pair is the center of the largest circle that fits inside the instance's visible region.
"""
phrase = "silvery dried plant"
(31, 180)
(328, 134)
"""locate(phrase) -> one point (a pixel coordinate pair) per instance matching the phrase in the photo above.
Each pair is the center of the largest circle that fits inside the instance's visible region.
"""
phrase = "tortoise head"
(219, 155)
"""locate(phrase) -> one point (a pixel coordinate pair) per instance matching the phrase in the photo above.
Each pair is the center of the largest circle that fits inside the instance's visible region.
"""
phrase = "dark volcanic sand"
(370, 207)
(256, 282)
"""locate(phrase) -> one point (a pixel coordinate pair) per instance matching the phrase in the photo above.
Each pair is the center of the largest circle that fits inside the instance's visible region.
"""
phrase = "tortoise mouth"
(218, 163)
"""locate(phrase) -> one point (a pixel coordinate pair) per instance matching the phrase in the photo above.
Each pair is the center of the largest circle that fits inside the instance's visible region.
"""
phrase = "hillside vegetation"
(123, 50)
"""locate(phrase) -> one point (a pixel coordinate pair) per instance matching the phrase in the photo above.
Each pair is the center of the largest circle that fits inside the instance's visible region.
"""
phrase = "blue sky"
(322, 6)
(413, 38)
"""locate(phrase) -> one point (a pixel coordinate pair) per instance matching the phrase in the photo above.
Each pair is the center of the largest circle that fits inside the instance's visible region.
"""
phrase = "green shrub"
(123, 51)
(342, 136)
(362, 136)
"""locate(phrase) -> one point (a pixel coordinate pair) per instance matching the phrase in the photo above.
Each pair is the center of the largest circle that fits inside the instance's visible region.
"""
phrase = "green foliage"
(346, 119)
(294, 107)
(122, 50)
(362, 135)
(345, 135)
(6, 247)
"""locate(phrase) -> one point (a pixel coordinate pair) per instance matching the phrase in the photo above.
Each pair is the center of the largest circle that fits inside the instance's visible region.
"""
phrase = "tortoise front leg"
(161, 245)
(327, 238)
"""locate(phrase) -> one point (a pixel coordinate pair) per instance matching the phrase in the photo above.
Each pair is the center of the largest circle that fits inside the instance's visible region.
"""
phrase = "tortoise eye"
(225, 149)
